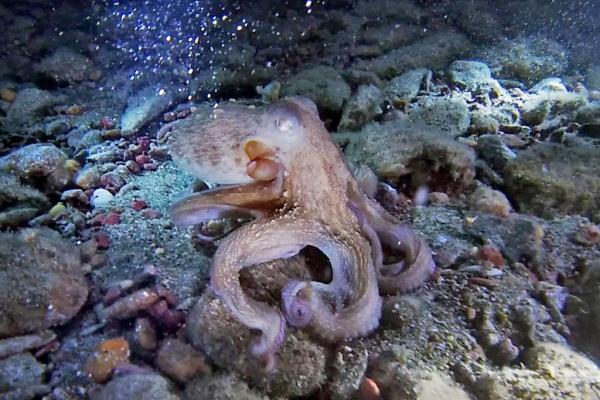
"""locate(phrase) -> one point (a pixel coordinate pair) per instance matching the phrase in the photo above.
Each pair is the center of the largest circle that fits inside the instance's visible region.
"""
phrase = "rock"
(481, 23)
(144, 106)
(447, 114)
(65, 66)
(84, 138)
(101, 198)
(517, 236)
(528, 58)
(385, 36)
(469, 75)
(180, 361)
(589, 114)
(401, 90)
(488, 200)
(410, 152)
(592, 77)
(547, 179)
(492, 149)
(323, 85)
(586, 309)
(39, 163)
(535, 112)
(137, 387)
(223, 386)
(88, 178)
(300, 362)
(20, 371)
(270, 92)
(18, 202)
(398, 382)
(482, 122)
(362, 108)
(551, 371)
(433, 52)
(30, 106)
(57, 127)
(403, 10)
(42, 281)
(108, 355)
(349, 367)
(402, 312)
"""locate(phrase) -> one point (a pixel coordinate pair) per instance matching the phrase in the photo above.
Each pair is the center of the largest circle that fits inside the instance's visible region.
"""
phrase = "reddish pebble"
(369, 390)
(142, 159)
(491, 254)
(102, 239)
(138, 205)
(111, 219)
(485, 282)
(151, 214)
(106, 123)
(149, 167)
(144, 142)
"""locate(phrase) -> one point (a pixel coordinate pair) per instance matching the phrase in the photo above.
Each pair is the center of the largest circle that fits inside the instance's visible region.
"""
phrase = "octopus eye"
(286, 120)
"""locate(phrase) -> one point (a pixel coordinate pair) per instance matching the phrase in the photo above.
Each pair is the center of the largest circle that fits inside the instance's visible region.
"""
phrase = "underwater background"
(473, 124)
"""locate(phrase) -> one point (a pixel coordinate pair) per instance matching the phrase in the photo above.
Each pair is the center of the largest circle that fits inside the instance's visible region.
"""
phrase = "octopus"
(277, 166)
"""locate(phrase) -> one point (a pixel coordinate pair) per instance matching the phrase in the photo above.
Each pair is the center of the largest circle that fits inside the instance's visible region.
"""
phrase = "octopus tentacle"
(244, 201)
(304, 303)
(417, 266)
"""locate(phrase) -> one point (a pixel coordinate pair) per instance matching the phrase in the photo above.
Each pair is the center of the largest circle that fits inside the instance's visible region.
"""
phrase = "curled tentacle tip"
(296, 304)
(265, 347)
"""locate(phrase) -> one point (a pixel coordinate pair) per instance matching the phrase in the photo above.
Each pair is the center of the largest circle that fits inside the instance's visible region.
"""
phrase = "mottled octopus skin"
(306, 196)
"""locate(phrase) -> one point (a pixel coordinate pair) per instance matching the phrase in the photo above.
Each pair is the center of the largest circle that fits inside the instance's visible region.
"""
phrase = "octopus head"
(235, 144)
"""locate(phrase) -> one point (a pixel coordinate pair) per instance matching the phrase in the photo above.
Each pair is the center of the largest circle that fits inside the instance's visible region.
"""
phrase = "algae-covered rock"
(469, 75)
(411, 153)
(143, 107)
(434, 51)
(589, 114)
(323, 85)
(19, 371)
(402, 89)
(65, 66)
(362, 108)
(526, 58)
(30, 106)
(137, 387)
(221, 387)
(449, 115)
(40, 163)
(300, 362)
(42, 281)
(551, 371)
(547, 179)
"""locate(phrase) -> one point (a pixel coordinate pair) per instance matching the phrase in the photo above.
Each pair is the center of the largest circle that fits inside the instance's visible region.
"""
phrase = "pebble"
(142, 159)
(76, 196)
(587, 234)
(151, 214)
(133, 167)
(108, 355)
(19, 371)
(101, 198)
(138, 205)
(137, 386)
(88, 178)
(491, 254)
(145, 333)
(8, 95)
(102, 239)
(149, 166)
(111, 218)
(180, 361)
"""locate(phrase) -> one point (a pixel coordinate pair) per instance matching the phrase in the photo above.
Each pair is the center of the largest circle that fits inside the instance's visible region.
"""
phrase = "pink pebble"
(151, 214)
(106, 123)
(102, 239)
(142, 159)
(138, 205)
(111, 219)
(133, 167)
